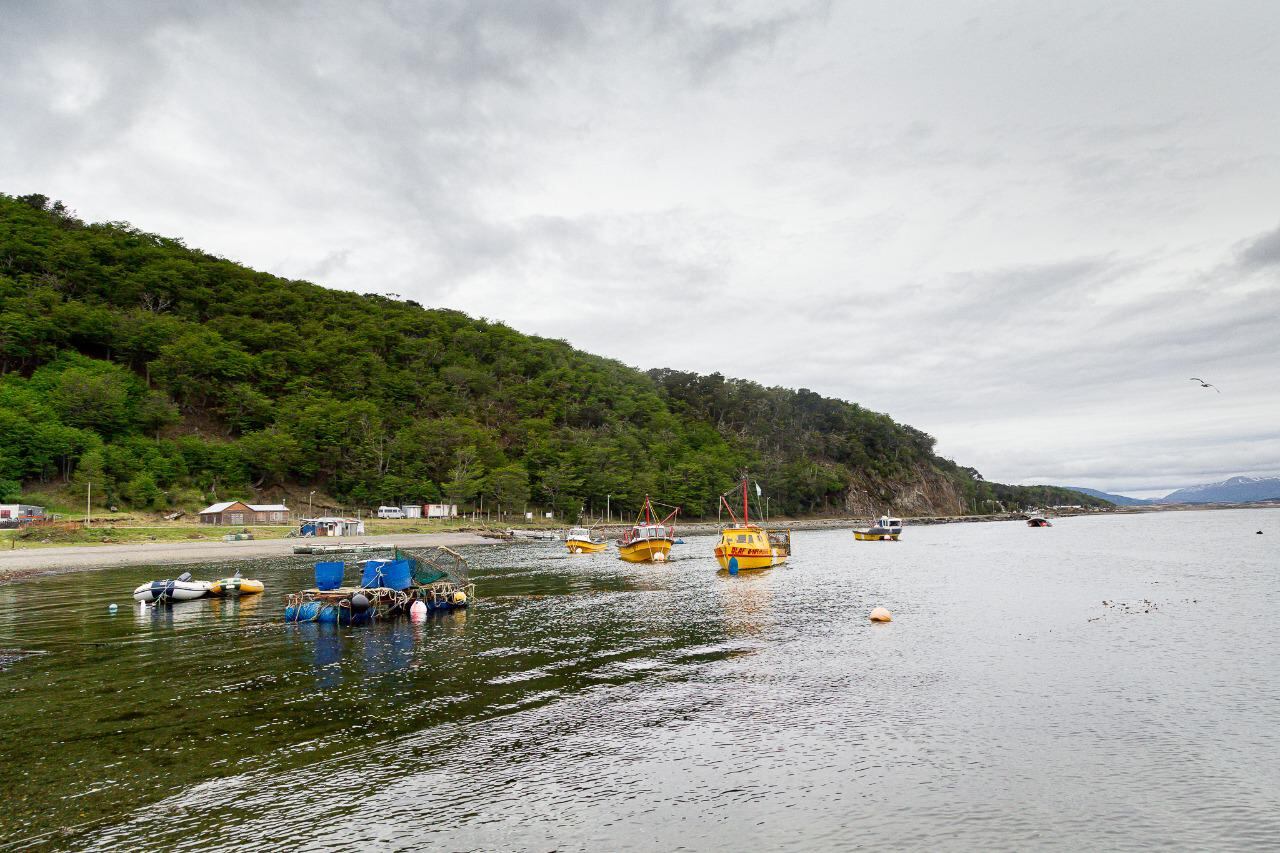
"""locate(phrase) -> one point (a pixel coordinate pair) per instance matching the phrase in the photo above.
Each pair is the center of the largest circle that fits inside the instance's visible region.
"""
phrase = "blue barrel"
(348, 617)
(398, 574)
(374, 573)
(329, 575)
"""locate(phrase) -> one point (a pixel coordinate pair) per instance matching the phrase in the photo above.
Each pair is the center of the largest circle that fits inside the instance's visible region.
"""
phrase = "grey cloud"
(962, 224)
(1261, 252)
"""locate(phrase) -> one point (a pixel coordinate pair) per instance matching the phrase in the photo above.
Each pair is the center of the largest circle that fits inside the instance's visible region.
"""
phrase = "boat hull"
(646, 551)
(751, 549)
(873, 536)
(160, 592)
(585, 546)
(236, 586)
(730, 561)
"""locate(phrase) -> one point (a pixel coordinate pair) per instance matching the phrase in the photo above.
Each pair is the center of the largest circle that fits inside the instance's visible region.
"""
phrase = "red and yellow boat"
(746, 546)
(648, 540)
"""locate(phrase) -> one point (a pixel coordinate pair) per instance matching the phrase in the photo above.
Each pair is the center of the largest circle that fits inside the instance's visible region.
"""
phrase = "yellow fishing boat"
(580, 541)
(746, 546)
(887, 529)
(648, 540)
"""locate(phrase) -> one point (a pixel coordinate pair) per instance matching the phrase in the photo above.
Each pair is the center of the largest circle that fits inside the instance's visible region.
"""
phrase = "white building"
(332, 525)
(25, 512)
(442, 510)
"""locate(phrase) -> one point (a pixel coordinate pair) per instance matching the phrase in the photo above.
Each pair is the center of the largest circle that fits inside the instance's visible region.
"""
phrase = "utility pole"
(608, 511)
(88, 505)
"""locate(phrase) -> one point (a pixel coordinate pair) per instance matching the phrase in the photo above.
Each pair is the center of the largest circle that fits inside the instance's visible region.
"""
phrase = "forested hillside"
(168, 377)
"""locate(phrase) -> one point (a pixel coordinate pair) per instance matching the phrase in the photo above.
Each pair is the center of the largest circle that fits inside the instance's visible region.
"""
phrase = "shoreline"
(20, 564)
(16, 565)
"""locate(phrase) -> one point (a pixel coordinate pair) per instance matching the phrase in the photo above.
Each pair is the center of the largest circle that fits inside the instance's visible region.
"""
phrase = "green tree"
(509, 486)
(94, 398)
(142, 491)
(465, 476)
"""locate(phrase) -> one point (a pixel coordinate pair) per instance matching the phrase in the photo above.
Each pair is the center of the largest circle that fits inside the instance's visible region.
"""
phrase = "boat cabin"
(646, 531)
(890, 524)
(579, 533)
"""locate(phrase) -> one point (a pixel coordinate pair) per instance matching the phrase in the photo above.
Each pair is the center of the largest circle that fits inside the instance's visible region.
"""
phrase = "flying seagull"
(1204, 384)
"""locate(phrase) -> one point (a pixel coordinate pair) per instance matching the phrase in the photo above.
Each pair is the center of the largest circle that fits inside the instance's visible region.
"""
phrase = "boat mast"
(746, 517)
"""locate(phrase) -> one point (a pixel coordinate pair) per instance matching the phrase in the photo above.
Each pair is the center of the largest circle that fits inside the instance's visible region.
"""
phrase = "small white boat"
(887, 529)
(181, 588)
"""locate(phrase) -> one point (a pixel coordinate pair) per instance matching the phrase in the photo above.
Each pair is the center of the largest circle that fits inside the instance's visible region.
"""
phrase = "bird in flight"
(1204, 384)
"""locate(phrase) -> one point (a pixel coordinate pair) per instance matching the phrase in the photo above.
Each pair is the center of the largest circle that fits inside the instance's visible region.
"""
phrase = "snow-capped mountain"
(1234, 490)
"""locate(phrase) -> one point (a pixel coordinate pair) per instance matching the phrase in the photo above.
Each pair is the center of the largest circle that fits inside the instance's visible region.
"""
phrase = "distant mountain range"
(1118, 500)
(1234, 490)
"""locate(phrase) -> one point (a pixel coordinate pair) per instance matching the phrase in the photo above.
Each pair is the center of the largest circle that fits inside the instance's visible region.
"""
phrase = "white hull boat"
(182, 588)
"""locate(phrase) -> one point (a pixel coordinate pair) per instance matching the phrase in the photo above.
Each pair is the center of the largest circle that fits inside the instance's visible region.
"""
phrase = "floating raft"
(546, 535)
(431, 580)
(339, 548)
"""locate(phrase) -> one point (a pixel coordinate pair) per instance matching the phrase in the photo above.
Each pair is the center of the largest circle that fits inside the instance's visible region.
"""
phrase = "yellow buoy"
(880, 615)
(459, 597)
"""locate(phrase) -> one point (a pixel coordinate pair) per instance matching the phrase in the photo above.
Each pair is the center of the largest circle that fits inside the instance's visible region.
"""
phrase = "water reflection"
(323, 645)
(747, 600)
(235, 606)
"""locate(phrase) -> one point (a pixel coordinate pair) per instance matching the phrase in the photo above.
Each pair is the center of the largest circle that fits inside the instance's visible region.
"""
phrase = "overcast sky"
(1018, 226)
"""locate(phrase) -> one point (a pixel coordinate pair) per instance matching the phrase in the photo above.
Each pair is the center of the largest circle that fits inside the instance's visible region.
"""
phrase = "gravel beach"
(74, 558)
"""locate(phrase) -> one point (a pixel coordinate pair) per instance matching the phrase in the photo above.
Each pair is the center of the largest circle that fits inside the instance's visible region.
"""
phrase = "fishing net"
(431, 565)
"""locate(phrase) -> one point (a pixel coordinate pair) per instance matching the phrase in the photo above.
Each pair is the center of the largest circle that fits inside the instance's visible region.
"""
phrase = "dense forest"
(168, 377)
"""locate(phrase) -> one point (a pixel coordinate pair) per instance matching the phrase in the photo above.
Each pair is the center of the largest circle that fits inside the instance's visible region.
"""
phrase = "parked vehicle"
(390, 512)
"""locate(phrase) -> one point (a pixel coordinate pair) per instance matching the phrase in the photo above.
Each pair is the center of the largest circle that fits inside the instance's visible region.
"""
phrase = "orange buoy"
(880, 615)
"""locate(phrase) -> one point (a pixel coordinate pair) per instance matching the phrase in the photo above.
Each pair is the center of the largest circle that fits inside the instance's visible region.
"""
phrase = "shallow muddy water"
(586, 703)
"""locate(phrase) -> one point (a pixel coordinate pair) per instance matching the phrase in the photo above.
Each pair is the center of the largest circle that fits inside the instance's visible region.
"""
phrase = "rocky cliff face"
(924, 492)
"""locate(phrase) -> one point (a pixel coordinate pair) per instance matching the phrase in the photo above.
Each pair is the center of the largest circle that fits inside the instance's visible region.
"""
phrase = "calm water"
(584, 703)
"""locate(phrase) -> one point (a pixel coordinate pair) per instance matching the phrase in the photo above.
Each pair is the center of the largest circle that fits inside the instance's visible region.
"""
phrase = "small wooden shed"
(239, 513)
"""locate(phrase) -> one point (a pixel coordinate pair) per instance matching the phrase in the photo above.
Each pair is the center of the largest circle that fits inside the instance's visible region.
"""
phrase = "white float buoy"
(112, 608)
(418, 611)
(881, 615)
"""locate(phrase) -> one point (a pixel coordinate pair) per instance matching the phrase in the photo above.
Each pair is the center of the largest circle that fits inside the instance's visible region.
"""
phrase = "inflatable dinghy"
(236, 586)
(181, 588)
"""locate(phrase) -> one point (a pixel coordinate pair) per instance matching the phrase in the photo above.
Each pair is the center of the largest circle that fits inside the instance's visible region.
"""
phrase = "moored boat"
(747, 547)
(181, 588)
(235, 585)
(1038, 521)
(580, 541)
(887, 529)
(648, 540)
